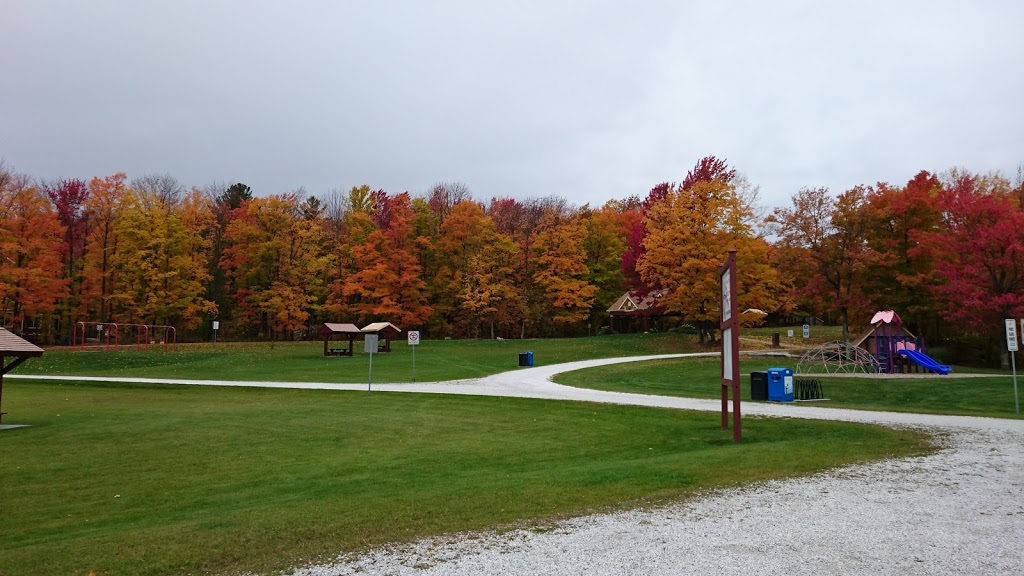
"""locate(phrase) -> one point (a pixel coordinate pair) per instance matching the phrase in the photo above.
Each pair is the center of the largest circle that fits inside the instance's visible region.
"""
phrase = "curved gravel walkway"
(960, 511)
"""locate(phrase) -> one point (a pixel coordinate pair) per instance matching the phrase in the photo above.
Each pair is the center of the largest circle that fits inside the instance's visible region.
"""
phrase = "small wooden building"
(12, 345)
(330, 331)
(385, 331)
(636, 305)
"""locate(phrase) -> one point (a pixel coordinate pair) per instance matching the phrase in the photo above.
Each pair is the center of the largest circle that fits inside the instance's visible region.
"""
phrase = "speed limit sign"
(414, 338)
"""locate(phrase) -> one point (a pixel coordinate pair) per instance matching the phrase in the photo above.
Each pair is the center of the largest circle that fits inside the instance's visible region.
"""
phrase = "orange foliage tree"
(98, 276)
(689, 233)
(30, 249)
(386, 283)
(562, 272)
(273, 255)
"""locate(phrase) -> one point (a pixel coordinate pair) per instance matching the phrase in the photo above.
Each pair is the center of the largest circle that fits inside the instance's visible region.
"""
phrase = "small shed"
(12, 345)
(385, 332)
(328, 332)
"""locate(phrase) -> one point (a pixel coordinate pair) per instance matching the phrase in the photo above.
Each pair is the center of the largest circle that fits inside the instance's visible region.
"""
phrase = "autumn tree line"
(946, 251)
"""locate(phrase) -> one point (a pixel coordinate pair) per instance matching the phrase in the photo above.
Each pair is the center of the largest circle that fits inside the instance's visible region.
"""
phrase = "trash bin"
(758, 385)
(526, 358)
(780, 385)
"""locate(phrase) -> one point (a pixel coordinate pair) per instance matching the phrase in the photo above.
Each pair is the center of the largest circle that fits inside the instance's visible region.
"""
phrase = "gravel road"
(959, 511)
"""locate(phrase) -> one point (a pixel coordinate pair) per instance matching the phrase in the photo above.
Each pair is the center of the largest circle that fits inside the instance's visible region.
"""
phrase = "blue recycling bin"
(780, 385)
(526, 358)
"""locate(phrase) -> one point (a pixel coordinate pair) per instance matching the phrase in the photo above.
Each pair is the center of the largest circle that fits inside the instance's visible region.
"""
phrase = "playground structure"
(886, 347)
(837, 357)
(109, 336)
(895, 348)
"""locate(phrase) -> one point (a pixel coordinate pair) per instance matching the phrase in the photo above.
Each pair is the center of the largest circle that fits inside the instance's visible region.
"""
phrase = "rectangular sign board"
(726, 296)
(807, 330)
(1011, 335)
(370, 343)
(414, 338)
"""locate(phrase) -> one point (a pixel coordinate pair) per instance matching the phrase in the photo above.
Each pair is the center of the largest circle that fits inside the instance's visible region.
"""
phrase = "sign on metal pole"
(730, 328)
(807, 330)
(414, 341)
(370, 345)
(216, 326)
(1011, 345)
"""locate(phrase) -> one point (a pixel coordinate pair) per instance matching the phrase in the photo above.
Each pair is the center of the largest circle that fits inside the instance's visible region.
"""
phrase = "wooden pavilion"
(18, 348)
(644, 306)
(385, 331)
(330, 330)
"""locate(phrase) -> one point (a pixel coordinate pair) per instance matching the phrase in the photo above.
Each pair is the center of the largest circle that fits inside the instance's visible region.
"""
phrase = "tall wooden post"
(730, 328)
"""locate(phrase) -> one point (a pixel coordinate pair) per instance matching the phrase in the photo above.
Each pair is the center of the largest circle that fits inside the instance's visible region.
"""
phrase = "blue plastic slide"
(926, 361)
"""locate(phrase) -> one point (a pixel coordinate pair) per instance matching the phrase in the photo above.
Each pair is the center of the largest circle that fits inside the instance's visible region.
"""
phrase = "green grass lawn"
(304, 361)
(700, 378)
(167, 480)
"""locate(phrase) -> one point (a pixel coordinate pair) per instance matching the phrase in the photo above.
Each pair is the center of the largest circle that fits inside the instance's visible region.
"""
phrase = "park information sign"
(730, 328)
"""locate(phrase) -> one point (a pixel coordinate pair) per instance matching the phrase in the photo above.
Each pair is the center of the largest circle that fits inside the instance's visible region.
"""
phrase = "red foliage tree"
(979, 251)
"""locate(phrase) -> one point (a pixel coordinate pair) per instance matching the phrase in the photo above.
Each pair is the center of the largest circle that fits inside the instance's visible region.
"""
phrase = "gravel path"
(960, 511)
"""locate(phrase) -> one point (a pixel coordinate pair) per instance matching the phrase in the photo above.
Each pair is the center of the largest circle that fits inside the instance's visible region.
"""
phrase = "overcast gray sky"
(589, 100)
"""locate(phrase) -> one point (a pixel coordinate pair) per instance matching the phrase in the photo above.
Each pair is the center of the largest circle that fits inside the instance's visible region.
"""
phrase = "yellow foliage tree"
(689, 234)
(161, 265)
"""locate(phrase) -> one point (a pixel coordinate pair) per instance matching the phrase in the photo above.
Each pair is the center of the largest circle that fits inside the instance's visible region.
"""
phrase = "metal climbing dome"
(837, 357)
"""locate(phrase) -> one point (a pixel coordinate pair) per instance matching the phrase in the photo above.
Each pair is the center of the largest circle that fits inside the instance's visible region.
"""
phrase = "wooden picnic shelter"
(385, 331)
(12, 345)
(329, 330)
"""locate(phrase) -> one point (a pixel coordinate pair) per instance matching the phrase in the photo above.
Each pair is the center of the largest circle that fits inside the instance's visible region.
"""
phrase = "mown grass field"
(436, 360)
(701, 378)
(169, 480)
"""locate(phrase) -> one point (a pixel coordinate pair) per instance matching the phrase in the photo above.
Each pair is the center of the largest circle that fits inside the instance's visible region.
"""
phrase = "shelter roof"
(336, 328)
(13, 345)
(380, 327)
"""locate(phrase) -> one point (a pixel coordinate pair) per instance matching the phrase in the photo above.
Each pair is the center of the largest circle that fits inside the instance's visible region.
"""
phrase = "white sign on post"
(726, 296)
(807, 331)
(789, 333)
(1011, 335)
(216, 325)
(414, 338)
(370, 343)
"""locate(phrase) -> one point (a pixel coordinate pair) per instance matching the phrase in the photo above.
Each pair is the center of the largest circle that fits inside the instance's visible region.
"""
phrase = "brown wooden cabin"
(330, 330)
(12, 345)
(385, 331)
(634, 306)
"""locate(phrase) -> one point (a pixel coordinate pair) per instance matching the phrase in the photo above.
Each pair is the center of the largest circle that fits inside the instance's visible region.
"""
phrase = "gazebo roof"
(14, 345)
(381, 327)
(338, 328)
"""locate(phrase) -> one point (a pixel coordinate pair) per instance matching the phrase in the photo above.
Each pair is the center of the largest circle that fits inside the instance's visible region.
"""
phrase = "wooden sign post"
(730, 327)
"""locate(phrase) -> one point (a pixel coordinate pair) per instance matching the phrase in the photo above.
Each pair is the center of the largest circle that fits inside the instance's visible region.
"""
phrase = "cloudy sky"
(589, 100)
